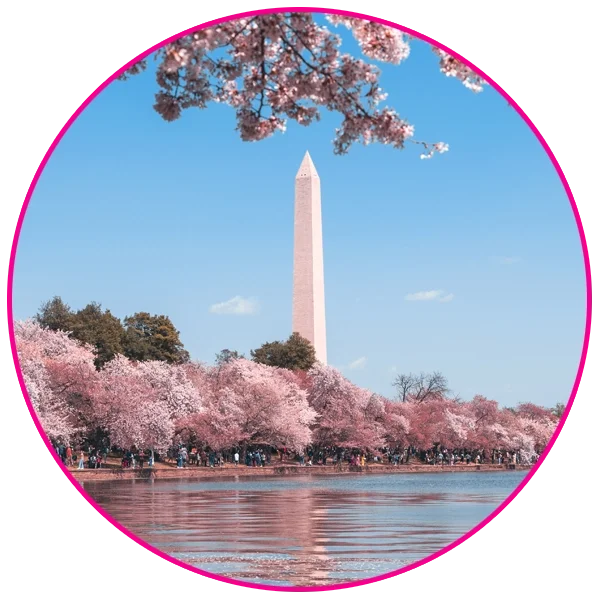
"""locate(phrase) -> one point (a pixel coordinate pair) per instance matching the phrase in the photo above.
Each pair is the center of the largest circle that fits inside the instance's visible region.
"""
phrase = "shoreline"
(171, 472)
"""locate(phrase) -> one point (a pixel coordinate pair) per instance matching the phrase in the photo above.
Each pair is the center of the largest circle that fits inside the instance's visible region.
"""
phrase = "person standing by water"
(81, 460)
(236, 458)
(69, 456)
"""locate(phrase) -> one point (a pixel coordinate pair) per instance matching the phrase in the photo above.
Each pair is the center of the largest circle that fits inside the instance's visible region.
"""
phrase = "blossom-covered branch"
(278, 67)
(452, 67)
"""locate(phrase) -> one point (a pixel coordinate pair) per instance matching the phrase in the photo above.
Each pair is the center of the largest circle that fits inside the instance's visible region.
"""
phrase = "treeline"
(139, 337)
(153, 405)
(144, 337)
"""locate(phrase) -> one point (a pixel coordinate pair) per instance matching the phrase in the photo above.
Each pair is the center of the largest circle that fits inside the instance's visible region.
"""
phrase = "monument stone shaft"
(308, 318)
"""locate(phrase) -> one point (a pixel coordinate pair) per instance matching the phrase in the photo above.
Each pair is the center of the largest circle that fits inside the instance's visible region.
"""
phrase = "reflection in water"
(305, 530)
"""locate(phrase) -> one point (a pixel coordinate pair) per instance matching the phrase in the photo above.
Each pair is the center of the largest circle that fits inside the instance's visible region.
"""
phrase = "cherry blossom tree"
(240, 402)
(535, 412)
(272, 68)
(458, 430)
(251, 403)
(428, 422)
(539, 430)
(172, 386)
(140, 402)
(530, 428)
(219, 424)
(49, 407)
(60, 378)
(397, 423)
(486, 434)
(348, 416)
(524, 444)
(134, 412)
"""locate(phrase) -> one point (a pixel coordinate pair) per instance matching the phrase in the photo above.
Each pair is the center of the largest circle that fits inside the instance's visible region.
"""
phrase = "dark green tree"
(99, 328)
(55, 314)
(296, 354)
(148, 337)
(226, 356)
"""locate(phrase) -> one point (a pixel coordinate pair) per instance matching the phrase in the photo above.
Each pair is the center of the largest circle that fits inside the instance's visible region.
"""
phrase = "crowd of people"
(192, 456)
(444, 456)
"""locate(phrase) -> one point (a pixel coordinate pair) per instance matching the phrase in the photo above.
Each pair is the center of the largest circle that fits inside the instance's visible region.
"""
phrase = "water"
(304, 530)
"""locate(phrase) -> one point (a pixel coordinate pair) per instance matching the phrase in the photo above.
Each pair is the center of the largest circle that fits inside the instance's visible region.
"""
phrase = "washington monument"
(308, 314)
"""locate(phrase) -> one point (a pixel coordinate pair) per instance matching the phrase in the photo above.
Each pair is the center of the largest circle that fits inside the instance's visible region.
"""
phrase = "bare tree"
(421, 387)
(404, 384)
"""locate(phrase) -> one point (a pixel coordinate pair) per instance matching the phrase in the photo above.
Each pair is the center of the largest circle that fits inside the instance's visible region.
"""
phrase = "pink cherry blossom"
(134, 412)
(347, 415)
(452, 67)
(152, 405)
(398, 423)
(172, 386)
(285, 66)
(250, 403)
(60, 377)
(458, 430)
(376, 41)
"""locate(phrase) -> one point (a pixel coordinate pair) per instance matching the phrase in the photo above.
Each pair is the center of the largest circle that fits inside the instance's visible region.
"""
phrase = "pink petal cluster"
(60, 376)
(452, 67)
(247, 403)
(349, 416)
(376, 41)
(276, 67)
(132, 411)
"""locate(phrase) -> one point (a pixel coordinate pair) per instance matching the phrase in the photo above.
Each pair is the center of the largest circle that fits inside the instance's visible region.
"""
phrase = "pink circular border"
(467, 535)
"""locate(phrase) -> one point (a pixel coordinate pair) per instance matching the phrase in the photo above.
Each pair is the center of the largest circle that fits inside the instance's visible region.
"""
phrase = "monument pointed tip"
(307, 167)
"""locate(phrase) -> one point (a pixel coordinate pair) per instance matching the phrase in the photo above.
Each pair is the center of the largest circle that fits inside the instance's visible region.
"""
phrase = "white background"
(53, 51)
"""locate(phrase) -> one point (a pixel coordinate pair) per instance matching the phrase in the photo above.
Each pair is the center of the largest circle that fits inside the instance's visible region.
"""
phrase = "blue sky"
(174, 218)
(582, 158)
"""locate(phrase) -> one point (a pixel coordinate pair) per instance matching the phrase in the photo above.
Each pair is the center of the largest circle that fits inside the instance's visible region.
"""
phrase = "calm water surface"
(304, 530)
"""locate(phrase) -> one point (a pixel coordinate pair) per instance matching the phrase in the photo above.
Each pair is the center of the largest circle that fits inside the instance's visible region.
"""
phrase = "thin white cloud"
(437, 295)
(424, 296)
(359, 363)
(508, 260)
(235, 306)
